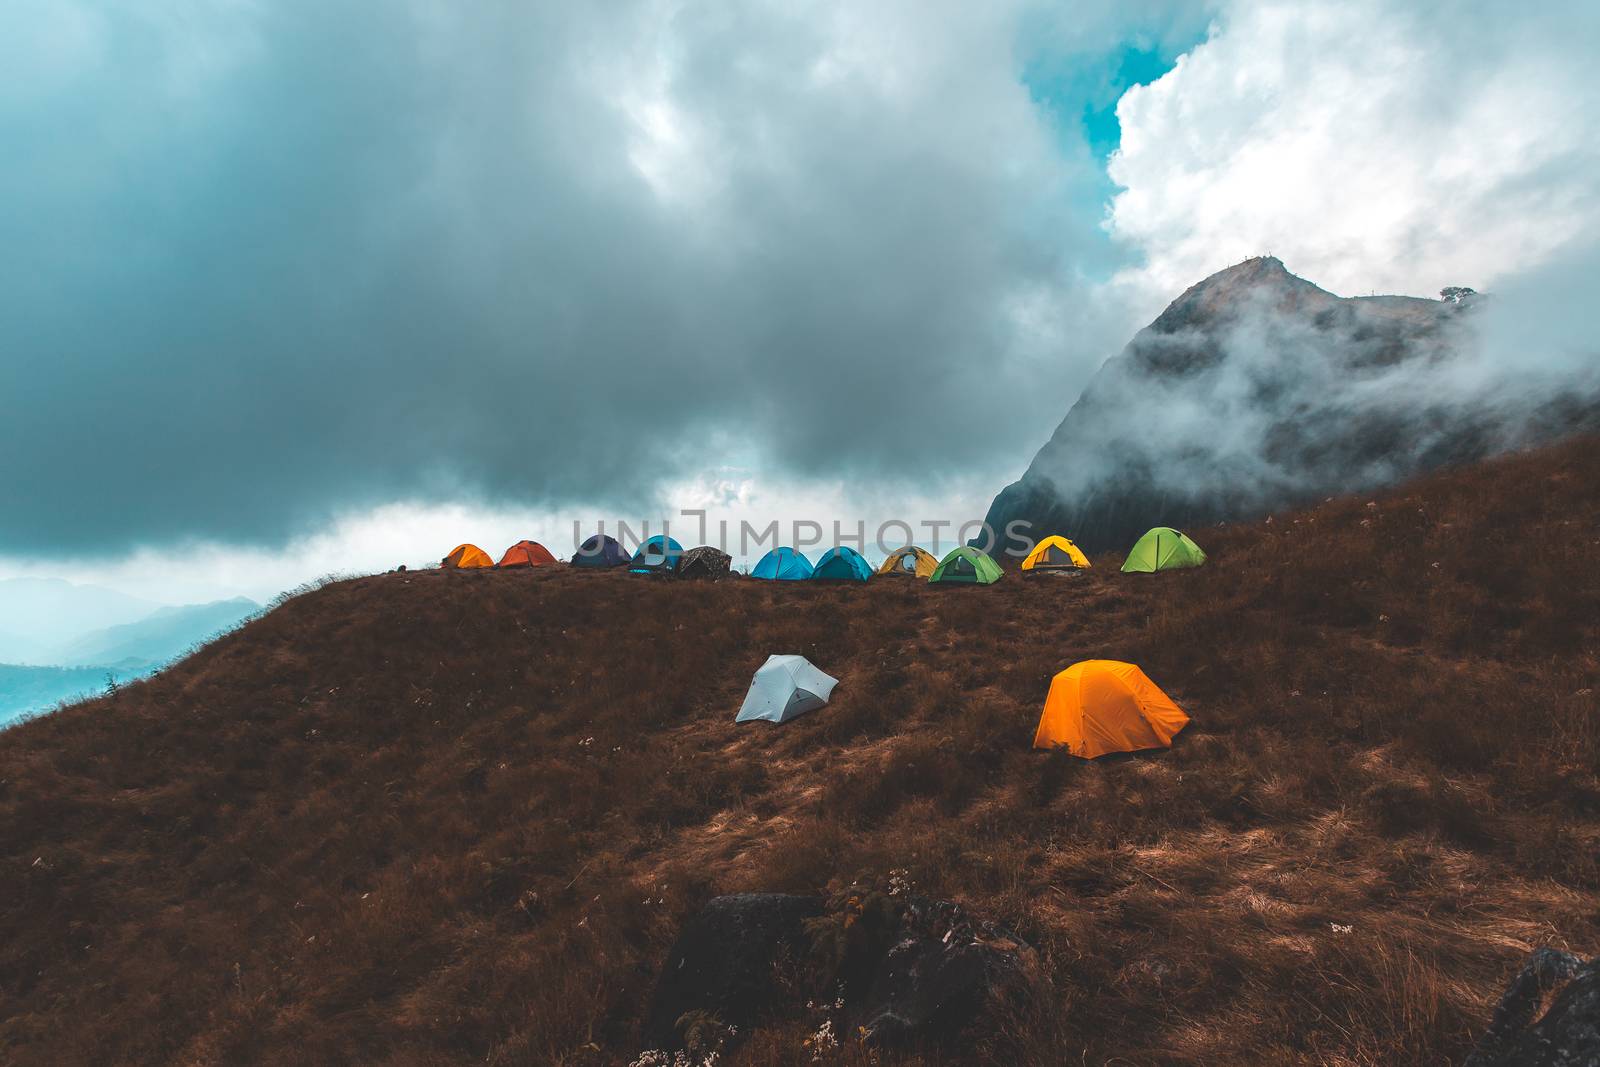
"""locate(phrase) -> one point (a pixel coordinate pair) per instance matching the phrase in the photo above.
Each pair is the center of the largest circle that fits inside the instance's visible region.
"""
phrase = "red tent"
(526, 554)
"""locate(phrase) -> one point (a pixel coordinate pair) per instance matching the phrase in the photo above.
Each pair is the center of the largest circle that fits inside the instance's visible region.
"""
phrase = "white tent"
(784, 687)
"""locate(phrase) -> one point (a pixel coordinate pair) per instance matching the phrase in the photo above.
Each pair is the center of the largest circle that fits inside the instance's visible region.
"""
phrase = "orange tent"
(1100, 706)
(526, 554)
(467, 556)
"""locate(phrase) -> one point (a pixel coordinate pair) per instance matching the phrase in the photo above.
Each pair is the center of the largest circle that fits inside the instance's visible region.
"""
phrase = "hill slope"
(1256, 390)
(440, 818)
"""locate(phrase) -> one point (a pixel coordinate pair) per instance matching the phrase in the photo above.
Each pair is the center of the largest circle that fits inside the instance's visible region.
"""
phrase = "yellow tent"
(467, 556)
(1055, 553)
(1100, 706)
(910, 560)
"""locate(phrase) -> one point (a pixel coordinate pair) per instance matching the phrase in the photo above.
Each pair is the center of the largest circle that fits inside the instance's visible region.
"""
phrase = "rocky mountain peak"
(1255, 390)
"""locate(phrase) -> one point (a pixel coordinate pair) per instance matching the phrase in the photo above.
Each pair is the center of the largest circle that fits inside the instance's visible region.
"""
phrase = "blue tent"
(600, 550)
(843, 564)
(659, 555)
(784, 565)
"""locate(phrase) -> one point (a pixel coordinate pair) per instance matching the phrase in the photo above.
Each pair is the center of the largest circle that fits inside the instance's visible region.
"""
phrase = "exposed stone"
(932, 986)
(892, 968)
(1567, 1035)
(729, 962)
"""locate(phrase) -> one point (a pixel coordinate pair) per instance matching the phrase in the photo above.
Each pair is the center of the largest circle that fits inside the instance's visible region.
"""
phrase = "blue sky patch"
(1081, 94)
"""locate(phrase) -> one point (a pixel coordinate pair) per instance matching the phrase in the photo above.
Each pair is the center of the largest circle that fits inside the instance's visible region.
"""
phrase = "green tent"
(966, 564)
(1162, 549)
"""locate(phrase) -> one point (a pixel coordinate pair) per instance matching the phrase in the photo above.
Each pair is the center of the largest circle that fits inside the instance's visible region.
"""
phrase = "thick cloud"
(269, 267)
(266, 264)
(1372, 146)
(1389, 148)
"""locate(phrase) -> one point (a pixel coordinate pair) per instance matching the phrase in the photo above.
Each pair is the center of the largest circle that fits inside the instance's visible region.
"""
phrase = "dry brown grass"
(372, 827)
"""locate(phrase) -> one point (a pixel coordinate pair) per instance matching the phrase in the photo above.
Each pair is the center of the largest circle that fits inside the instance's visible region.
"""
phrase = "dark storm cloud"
(266, 264)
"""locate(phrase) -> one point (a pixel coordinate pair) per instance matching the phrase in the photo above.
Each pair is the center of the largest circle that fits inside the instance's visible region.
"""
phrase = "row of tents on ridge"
(1161, 549)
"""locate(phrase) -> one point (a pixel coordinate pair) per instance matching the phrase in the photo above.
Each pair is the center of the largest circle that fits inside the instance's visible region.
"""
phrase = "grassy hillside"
(436, 818)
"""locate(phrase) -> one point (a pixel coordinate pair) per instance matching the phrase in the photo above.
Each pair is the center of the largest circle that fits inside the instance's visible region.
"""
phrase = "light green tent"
(1162, 549)
(966, 564)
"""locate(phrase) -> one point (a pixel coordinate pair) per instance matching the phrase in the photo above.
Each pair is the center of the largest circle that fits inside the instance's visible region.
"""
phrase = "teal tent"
(659, 555)
(783, 565)
(842, 564)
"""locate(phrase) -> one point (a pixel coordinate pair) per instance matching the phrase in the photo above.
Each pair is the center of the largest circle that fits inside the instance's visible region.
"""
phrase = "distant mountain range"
(1256, 390)
(158, 637)
(23, 649)
(83, 663)
(37, 615)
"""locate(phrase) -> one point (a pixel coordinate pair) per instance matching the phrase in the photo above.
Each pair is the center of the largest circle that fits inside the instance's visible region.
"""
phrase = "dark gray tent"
(705, 562)
(601, 551)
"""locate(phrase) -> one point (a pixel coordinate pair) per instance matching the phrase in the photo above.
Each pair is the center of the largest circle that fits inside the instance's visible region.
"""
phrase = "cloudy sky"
(301, 287)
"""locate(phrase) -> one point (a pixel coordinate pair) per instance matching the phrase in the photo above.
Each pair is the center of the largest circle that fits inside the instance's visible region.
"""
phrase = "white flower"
(822, 1042)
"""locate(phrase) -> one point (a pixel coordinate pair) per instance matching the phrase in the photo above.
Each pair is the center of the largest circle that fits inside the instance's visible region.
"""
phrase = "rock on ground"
(728, 961)
(944, 973)
(892, 969)
(1567, 1035)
